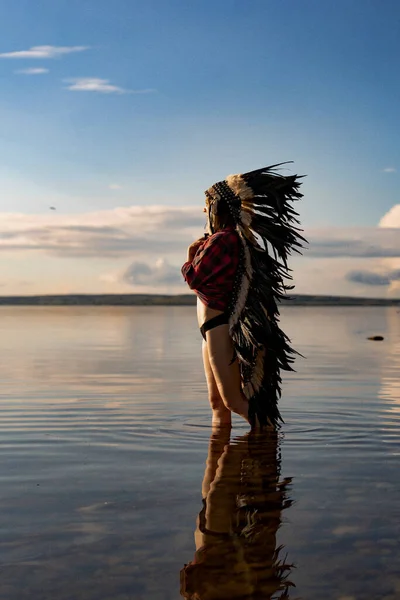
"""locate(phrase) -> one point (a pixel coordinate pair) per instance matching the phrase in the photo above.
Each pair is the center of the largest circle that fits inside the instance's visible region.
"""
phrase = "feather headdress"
(260, 204)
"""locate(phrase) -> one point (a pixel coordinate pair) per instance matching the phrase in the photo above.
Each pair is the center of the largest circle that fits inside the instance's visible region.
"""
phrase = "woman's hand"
(194, 247)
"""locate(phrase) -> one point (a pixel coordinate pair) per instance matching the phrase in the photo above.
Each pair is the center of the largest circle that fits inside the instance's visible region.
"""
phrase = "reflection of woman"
(236, 553)
(237, 272)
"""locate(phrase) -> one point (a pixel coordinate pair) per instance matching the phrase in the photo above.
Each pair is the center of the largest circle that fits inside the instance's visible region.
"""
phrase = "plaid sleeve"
(212, 260)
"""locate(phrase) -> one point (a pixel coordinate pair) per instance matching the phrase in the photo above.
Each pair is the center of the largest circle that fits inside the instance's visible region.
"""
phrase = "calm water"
(107, 454)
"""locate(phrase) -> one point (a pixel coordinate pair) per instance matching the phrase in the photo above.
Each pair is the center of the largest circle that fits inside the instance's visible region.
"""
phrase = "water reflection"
(390, 384)
(104, 426)
(236, 534)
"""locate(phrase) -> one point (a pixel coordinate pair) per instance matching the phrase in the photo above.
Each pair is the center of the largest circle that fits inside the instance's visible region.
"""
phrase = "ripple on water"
(105, 438)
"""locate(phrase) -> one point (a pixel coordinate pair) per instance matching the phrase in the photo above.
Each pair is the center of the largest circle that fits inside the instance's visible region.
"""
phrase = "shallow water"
(106, 454)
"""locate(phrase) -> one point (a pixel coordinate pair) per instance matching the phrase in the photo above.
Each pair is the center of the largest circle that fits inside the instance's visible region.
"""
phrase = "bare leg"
(221, 416)
(227, 376)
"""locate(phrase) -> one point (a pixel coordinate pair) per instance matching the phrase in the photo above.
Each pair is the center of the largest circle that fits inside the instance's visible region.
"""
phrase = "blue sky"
(196, 91)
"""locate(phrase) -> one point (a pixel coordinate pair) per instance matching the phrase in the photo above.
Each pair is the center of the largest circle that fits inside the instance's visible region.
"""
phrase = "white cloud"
(115, 186)
(346, 276)
(32, 71)
(389, 170)
(159, 273)
(109, 277)
(149, 229)
(40, 52)
(392, 218)
(107, 234)
(92, 84)
(102, 86)
(361, 242)
(125, 245)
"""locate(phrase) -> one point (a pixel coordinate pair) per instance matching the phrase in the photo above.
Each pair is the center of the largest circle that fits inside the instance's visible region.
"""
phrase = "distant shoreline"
(176, 300)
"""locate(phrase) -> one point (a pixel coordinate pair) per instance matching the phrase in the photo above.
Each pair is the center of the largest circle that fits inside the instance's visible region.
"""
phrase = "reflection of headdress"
(259, 202)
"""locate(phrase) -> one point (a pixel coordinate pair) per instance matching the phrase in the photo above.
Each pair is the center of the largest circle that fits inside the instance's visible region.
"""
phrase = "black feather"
(273, 230)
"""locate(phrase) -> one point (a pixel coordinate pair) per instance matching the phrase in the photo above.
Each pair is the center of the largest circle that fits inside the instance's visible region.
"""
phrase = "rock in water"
(376, 338)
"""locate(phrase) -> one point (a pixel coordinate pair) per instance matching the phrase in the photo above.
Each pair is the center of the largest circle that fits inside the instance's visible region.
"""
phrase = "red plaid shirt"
(211, 273)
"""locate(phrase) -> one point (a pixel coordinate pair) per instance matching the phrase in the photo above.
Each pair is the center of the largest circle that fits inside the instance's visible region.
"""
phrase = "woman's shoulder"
(228, 235)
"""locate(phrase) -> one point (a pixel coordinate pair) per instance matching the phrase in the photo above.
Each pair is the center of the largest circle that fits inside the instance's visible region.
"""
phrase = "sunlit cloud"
(32, 71)
(115, 186)
(121, 230)
(392, 218)
(124, 246)
(101, 86)
(109, 233)
(41, 52)
(389, 170)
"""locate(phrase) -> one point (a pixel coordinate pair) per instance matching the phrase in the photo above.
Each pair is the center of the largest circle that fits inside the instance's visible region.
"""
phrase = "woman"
(238, 283)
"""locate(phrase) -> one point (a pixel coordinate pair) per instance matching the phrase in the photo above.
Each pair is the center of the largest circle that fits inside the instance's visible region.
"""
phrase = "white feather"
(245, 284)
(258, 372)
(245, 217)
(239, 187)
(248, 390)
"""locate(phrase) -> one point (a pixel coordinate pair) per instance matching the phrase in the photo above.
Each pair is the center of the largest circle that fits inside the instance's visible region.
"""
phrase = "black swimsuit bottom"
(214, 322)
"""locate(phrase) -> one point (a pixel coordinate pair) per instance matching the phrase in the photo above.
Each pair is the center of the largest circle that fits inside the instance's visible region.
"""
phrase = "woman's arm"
(211, 259)
(193, 248)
